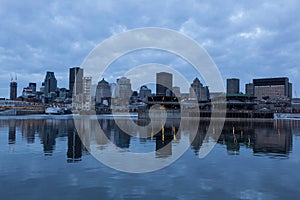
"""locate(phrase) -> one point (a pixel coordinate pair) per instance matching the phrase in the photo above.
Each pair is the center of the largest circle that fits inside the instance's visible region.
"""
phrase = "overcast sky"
(246, 39)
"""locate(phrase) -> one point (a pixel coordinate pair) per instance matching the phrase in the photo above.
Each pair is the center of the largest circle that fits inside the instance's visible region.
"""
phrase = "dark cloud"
(246, 39)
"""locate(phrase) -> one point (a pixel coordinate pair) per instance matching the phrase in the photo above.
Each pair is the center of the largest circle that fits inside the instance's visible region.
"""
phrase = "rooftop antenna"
(11, 77)
(16, 77)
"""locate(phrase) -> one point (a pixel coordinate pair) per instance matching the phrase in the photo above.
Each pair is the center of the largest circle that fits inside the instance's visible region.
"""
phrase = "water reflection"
(268, 138)
(273, 138)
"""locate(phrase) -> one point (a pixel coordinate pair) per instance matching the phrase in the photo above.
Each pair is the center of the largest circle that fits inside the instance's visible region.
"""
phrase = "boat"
(54, 111)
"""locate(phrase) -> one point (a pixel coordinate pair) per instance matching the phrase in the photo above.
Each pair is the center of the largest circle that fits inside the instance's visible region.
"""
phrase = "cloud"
(245, 39)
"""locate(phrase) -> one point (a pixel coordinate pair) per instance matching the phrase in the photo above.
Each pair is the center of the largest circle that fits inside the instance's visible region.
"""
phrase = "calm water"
(42, 157)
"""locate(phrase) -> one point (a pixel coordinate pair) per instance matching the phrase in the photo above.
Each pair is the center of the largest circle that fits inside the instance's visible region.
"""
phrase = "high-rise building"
(87, 95)
(233, 86)
(145, 92)
(75, 81)
(197, 90)
(164, 84)
(123, 91)
(103, 92)
(50, 84)
(273, 88)
(13, 90)
(249, 89)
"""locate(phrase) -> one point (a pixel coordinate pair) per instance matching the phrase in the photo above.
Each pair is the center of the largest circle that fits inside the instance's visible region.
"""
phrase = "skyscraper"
(13, 90)
(164, 84)
(103, 92)
(233, 86)
(123, 91)
(87, 95)
(197, 90)
(75, 80)
(50, 84)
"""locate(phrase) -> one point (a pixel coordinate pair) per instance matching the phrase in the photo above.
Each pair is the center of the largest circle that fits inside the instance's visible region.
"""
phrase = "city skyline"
(232, 86)
(240, 37)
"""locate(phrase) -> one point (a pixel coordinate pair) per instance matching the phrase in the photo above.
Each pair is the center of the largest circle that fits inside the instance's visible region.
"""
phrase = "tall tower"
(233, 86)
(50, 84)
(13, 89)
(164, 84)
(76, 80)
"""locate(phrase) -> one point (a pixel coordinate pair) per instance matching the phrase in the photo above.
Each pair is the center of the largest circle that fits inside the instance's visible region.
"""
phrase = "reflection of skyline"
(266, 138)
(263, 138)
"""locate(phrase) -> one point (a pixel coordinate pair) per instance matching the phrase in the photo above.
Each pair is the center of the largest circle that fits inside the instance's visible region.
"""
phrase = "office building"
(272, 88)
(145, 92)
(198, 91)
(164, 84)
(123, 88)
(32, 86)
(50, 83)
(103, 92)
(233, 86)
(87, 95)
(75, 81)
(13, 90)
(249, 90)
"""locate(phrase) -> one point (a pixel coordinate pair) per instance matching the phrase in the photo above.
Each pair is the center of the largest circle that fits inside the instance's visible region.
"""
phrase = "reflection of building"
(13, 90)
(164, 84)
(74, 147)
(273, 88)
(233, 86)
(75, 80)
(12, 132)
(197, 90)
(270, 140)
(50, 85)
(103, 92)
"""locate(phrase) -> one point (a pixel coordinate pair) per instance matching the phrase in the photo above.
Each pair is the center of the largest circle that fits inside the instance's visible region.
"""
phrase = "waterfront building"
(249, 90)
(272, 88)
(164, 84)
(13, 90)
(87, 96)
(123, 91)
(233, 86)
(198, 91)
(145, 92)
(75, 80)
(32, 86)
(103, 92)
(176, 91)
(50, 85)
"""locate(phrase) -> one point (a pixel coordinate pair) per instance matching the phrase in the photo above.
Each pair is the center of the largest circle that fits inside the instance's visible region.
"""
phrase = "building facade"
(123, 91)
(198, 91)
(75, 81)
(249, 89)
(272, 88)
(233, 86)
(145, 92)
(87, 93)
(164, 84)
(13, 90)
(50, 83)
(103, 92)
